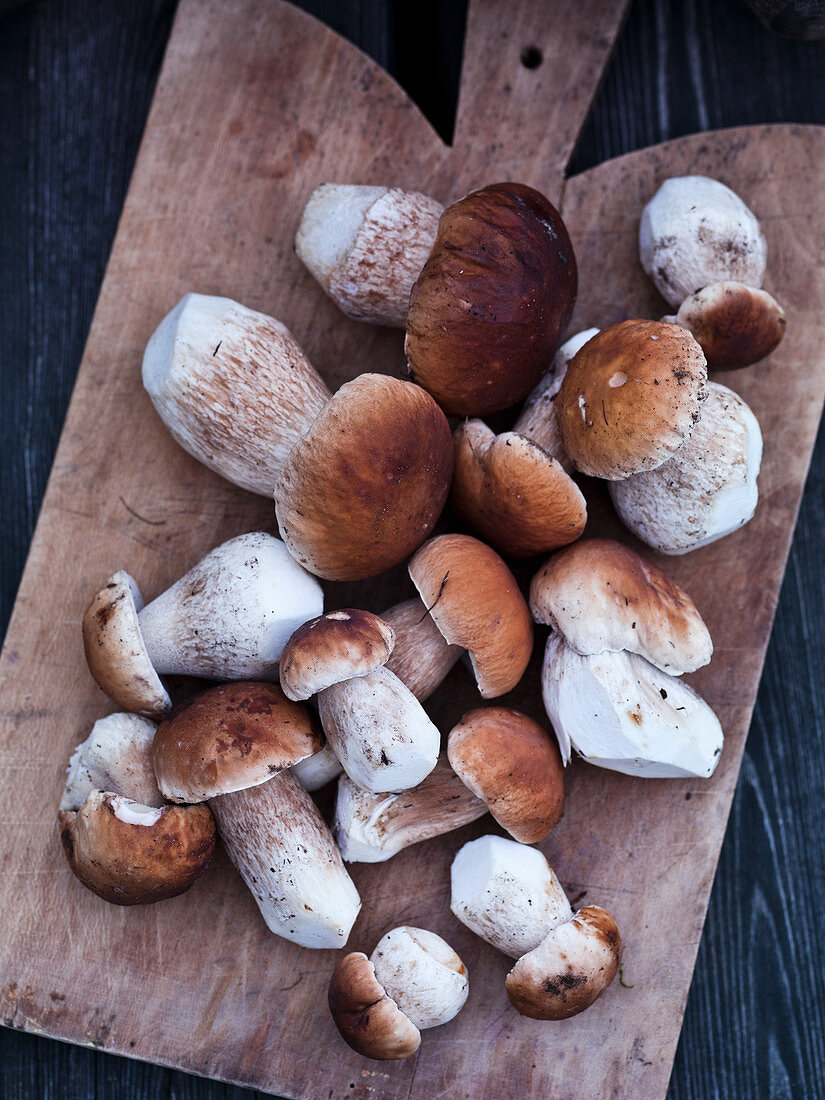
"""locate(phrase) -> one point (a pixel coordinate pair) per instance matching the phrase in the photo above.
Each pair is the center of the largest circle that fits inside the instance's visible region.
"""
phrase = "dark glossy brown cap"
(334, 647)
(735, 325)
(489, 308)
(369, 1020)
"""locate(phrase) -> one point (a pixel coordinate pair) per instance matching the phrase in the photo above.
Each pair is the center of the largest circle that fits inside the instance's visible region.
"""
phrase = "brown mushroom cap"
(569, 969)
(116, 653)
(229, 738)
(492, 301)
(366, 484)
(475, 602)
(332, 648)
(514, 766)
(369, 1020)
(630, 398)
(134, 864)
(601, 595)
(735, 325)
(516, 495)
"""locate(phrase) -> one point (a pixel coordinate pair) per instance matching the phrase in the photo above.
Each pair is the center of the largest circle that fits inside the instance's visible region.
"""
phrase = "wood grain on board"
(197, 982)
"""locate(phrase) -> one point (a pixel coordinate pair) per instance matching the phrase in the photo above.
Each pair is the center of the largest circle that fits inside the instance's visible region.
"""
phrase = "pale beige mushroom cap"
(422, 656)
(367, 1018)
(601, 595)
(735, 325)
(423, 975)
(115, 757)
(696, 231)
(334, 647)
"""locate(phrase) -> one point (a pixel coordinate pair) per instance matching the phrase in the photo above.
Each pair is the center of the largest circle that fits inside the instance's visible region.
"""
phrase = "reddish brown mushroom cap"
(630, 398)
(364, 487)
(334, 647)
(475, 602)
(492, 301)
(369, 1020)
(514, 766)
(735, 325)
(229, 738)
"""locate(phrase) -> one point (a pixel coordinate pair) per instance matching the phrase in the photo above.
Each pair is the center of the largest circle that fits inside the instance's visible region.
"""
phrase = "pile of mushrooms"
(484, 290)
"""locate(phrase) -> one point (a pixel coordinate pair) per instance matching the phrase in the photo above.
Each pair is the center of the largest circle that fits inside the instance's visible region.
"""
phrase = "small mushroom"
(227, 618)
(707, 490)
(366, 247)
(423, 975)
(601, 595)
(371, 828)
(735, 325)
(630, 398)
(492, 300)
(332, 648)
(621, 713)
(513, 493)
(475, 602)
(513, 766)
(422, 656)
(130, 854)
(115, 757)
(696, 231)
(367, 1018)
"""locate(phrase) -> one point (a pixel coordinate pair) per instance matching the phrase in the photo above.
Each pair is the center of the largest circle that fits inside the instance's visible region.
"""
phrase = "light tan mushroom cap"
(513, 493)
(369, 1020)
(630, 398)
(735, 325)
(366, 484)
(229, 738)
(569, 969)
(115, 651)
(601, 595)
(513, 765)
(475, 602)
(334, 647)
(130, 854)
(422, 656)
(423, 975)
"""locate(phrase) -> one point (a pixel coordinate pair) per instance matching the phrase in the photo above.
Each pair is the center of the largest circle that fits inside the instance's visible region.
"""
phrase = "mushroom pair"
(623, 632)
(359, 477)
(508, 895)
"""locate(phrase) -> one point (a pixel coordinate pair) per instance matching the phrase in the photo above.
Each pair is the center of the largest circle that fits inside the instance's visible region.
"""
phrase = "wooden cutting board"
(258, 103)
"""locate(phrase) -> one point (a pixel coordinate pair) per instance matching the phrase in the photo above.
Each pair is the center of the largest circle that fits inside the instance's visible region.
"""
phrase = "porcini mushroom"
(423, 975)
(422, 656)
(513, 765)
(227, 618)
(735, 325)
(116, 757)
(696, 231)
(367, 1018)
(630, 398)
(707, 490)
(331, 648)
(475, 602)
(488, 309)
(366, 246)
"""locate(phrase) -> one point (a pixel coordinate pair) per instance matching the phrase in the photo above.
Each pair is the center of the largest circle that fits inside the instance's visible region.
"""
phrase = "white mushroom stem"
(422, 656)
(507, 893)
(379, 731)
(314, 772)
(707, 490)
(621, 713)
(229, 617)
(371, 828)
(115, 757)
(423, 975)
(286, 855)
(366, 247)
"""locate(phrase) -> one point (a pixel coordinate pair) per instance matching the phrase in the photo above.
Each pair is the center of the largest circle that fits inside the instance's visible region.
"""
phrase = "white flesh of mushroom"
(621, 713)
(133, 813)
(116, 757)
(314, 772)
(507, 893)
(422, 974)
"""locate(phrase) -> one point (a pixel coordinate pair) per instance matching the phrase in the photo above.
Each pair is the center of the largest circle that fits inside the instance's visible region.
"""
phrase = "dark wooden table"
(76, 79)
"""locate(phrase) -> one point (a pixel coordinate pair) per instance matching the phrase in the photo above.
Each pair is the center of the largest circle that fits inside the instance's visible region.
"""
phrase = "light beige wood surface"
(257, 104)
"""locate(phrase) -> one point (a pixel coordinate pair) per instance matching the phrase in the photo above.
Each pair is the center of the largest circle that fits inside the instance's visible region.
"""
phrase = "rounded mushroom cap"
(630, 398)
(696, 231)
(131, 854)
(422, 974)
(422, 656)
(334, 647)
(229, 738)
(514, 766)
(492, 300)
(366, 484)
(475, 602)
(115, 757)
(735, 325)
(116, 652)
(601, 595)
(516, 495)
(569, 969)
(369, 1020)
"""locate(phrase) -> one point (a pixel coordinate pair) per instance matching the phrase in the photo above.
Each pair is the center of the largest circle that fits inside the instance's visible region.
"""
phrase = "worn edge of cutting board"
(103, 1022)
